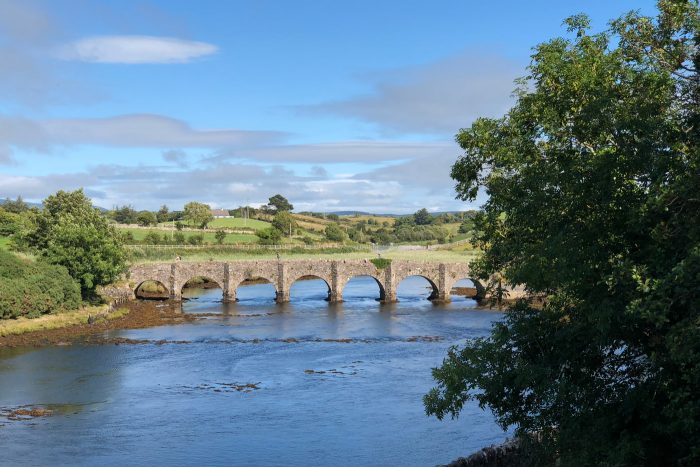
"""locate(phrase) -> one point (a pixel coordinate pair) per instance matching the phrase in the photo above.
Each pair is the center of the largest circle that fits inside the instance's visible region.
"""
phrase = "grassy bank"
(57, 321)
(238, 223)
(4, 243)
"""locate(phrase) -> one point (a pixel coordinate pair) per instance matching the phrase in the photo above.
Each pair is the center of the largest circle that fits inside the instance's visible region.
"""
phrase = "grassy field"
(311, 223)
(238, 223)
(4, 243)
(380, 219)
(140, 234)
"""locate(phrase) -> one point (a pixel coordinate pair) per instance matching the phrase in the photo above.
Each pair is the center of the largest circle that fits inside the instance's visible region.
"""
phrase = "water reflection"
(339, 383)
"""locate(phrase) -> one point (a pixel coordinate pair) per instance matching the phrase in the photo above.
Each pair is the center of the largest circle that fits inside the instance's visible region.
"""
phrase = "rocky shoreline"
(140, 315)
(506, 454)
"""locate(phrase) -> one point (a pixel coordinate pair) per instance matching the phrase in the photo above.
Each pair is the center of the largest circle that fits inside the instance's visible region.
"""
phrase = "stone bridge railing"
(282, 274)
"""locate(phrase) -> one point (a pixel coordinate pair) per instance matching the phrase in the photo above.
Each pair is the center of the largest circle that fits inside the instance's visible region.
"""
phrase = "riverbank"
(70, 327)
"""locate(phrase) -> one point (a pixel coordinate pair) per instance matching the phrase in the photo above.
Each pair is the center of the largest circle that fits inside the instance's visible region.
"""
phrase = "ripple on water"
(252, 383)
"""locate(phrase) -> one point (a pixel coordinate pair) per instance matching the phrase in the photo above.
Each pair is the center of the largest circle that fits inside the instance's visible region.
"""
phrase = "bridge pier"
(441, 297)
(389, 297)
(175, 295)
(335, 296)
(282, 296)
(229, 295)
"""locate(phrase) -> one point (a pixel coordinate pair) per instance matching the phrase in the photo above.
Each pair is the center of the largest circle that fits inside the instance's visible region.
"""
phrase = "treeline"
(419, 227)
(70, 249)
(176, 238)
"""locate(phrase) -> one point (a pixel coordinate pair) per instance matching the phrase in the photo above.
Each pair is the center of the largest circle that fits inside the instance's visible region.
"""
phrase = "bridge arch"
(380, 285)
(150, 289)
(311, 277)
(479, 291)
(252, 279)
(202, 280)
(432, 282)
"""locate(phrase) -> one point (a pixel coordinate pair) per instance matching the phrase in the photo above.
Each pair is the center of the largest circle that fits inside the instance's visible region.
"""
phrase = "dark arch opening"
(254, 289)
(152, 290)
(416, 287)
(363, 287)
(310, 287)
(200, 286)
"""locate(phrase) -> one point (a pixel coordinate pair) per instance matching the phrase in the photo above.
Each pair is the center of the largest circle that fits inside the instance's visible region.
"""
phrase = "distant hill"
(31, 205)
(362, 213)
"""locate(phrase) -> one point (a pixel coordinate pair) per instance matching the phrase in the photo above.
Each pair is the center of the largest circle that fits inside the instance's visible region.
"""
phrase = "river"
(337, 384)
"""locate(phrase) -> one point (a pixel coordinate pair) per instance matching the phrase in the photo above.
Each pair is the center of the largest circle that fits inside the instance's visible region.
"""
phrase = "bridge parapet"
(283, 274)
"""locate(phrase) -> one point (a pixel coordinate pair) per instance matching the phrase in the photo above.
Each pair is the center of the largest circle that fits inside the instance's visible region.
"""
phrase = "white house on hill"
(220, 214)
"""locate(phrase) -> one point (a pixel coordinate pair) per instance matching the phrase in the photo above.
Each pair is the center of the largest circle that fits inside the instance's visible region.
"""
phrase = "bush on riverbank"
(32, 289)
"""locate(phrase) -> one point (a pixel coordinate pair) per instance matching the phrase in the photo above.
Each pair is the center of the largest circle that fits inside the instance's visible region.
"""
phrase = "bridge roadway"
(283, 273)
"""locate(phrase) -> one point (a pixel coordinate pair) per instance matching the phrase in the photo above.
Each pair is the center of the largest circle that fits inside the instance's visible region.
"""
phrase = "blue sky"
(336, 105)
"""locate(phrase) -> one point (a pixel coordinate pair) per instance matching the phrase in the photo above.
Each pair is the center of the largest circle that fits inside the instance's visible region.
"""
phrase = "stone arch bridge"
(282, 274)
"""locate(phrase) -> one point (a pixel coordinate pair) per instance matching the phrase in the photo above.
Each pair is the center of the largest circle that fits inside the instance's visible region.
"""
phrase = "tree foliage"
(18, 206)
(198, 214)
(124, 214)
(146, 218)
(593, 180)
(269, 236)
(284, 222)
(163, 214)
(423, 217)
(31, 289)
(280, 203)
(335, 233)
(70, 232)
(9, 223)
(220, 236)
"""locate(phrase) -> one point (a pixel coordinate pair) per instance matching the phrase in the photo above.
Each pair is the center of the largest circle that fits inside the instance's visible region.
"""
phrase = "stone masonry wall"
(282, 274)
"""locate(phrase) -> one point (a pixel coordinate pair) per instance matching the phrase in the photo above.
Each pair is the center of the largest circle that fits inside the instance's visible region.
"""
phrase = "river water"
(337, 384)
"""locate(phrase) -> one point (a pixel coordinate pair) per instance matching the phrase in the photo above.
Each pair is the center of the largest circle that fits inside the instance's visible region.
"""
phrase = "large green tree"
(280, 203)
(422, 217)
(593, 180)
(17, 206)
(284, 222)
(198, 214)
(70, 232)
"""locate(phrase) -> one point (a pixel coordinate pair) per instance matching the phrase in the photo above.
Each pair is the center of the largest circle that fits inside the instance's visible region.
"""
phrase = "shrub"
(269, 236)
(31, 289)
(152, 238)
(381, 263)
(9, 223)
(196, 239)
(334, 233)
(220, 235)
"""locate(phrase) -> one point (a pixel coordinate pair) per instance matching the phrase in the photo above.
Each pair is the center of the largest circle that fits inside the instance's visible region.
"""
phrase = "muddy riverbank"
(141, 315)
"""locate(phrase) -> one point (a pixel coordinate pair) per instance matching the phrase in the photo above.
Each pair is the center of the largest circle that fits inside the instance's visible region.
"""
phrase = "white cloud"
(439, 97)
(135, 50)
(137, 130)
(329, 153)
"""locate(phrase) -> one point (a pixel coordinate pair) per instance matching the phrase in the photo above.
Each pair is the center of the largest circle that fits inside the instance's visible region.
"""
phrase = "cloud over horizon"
(137, 130)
